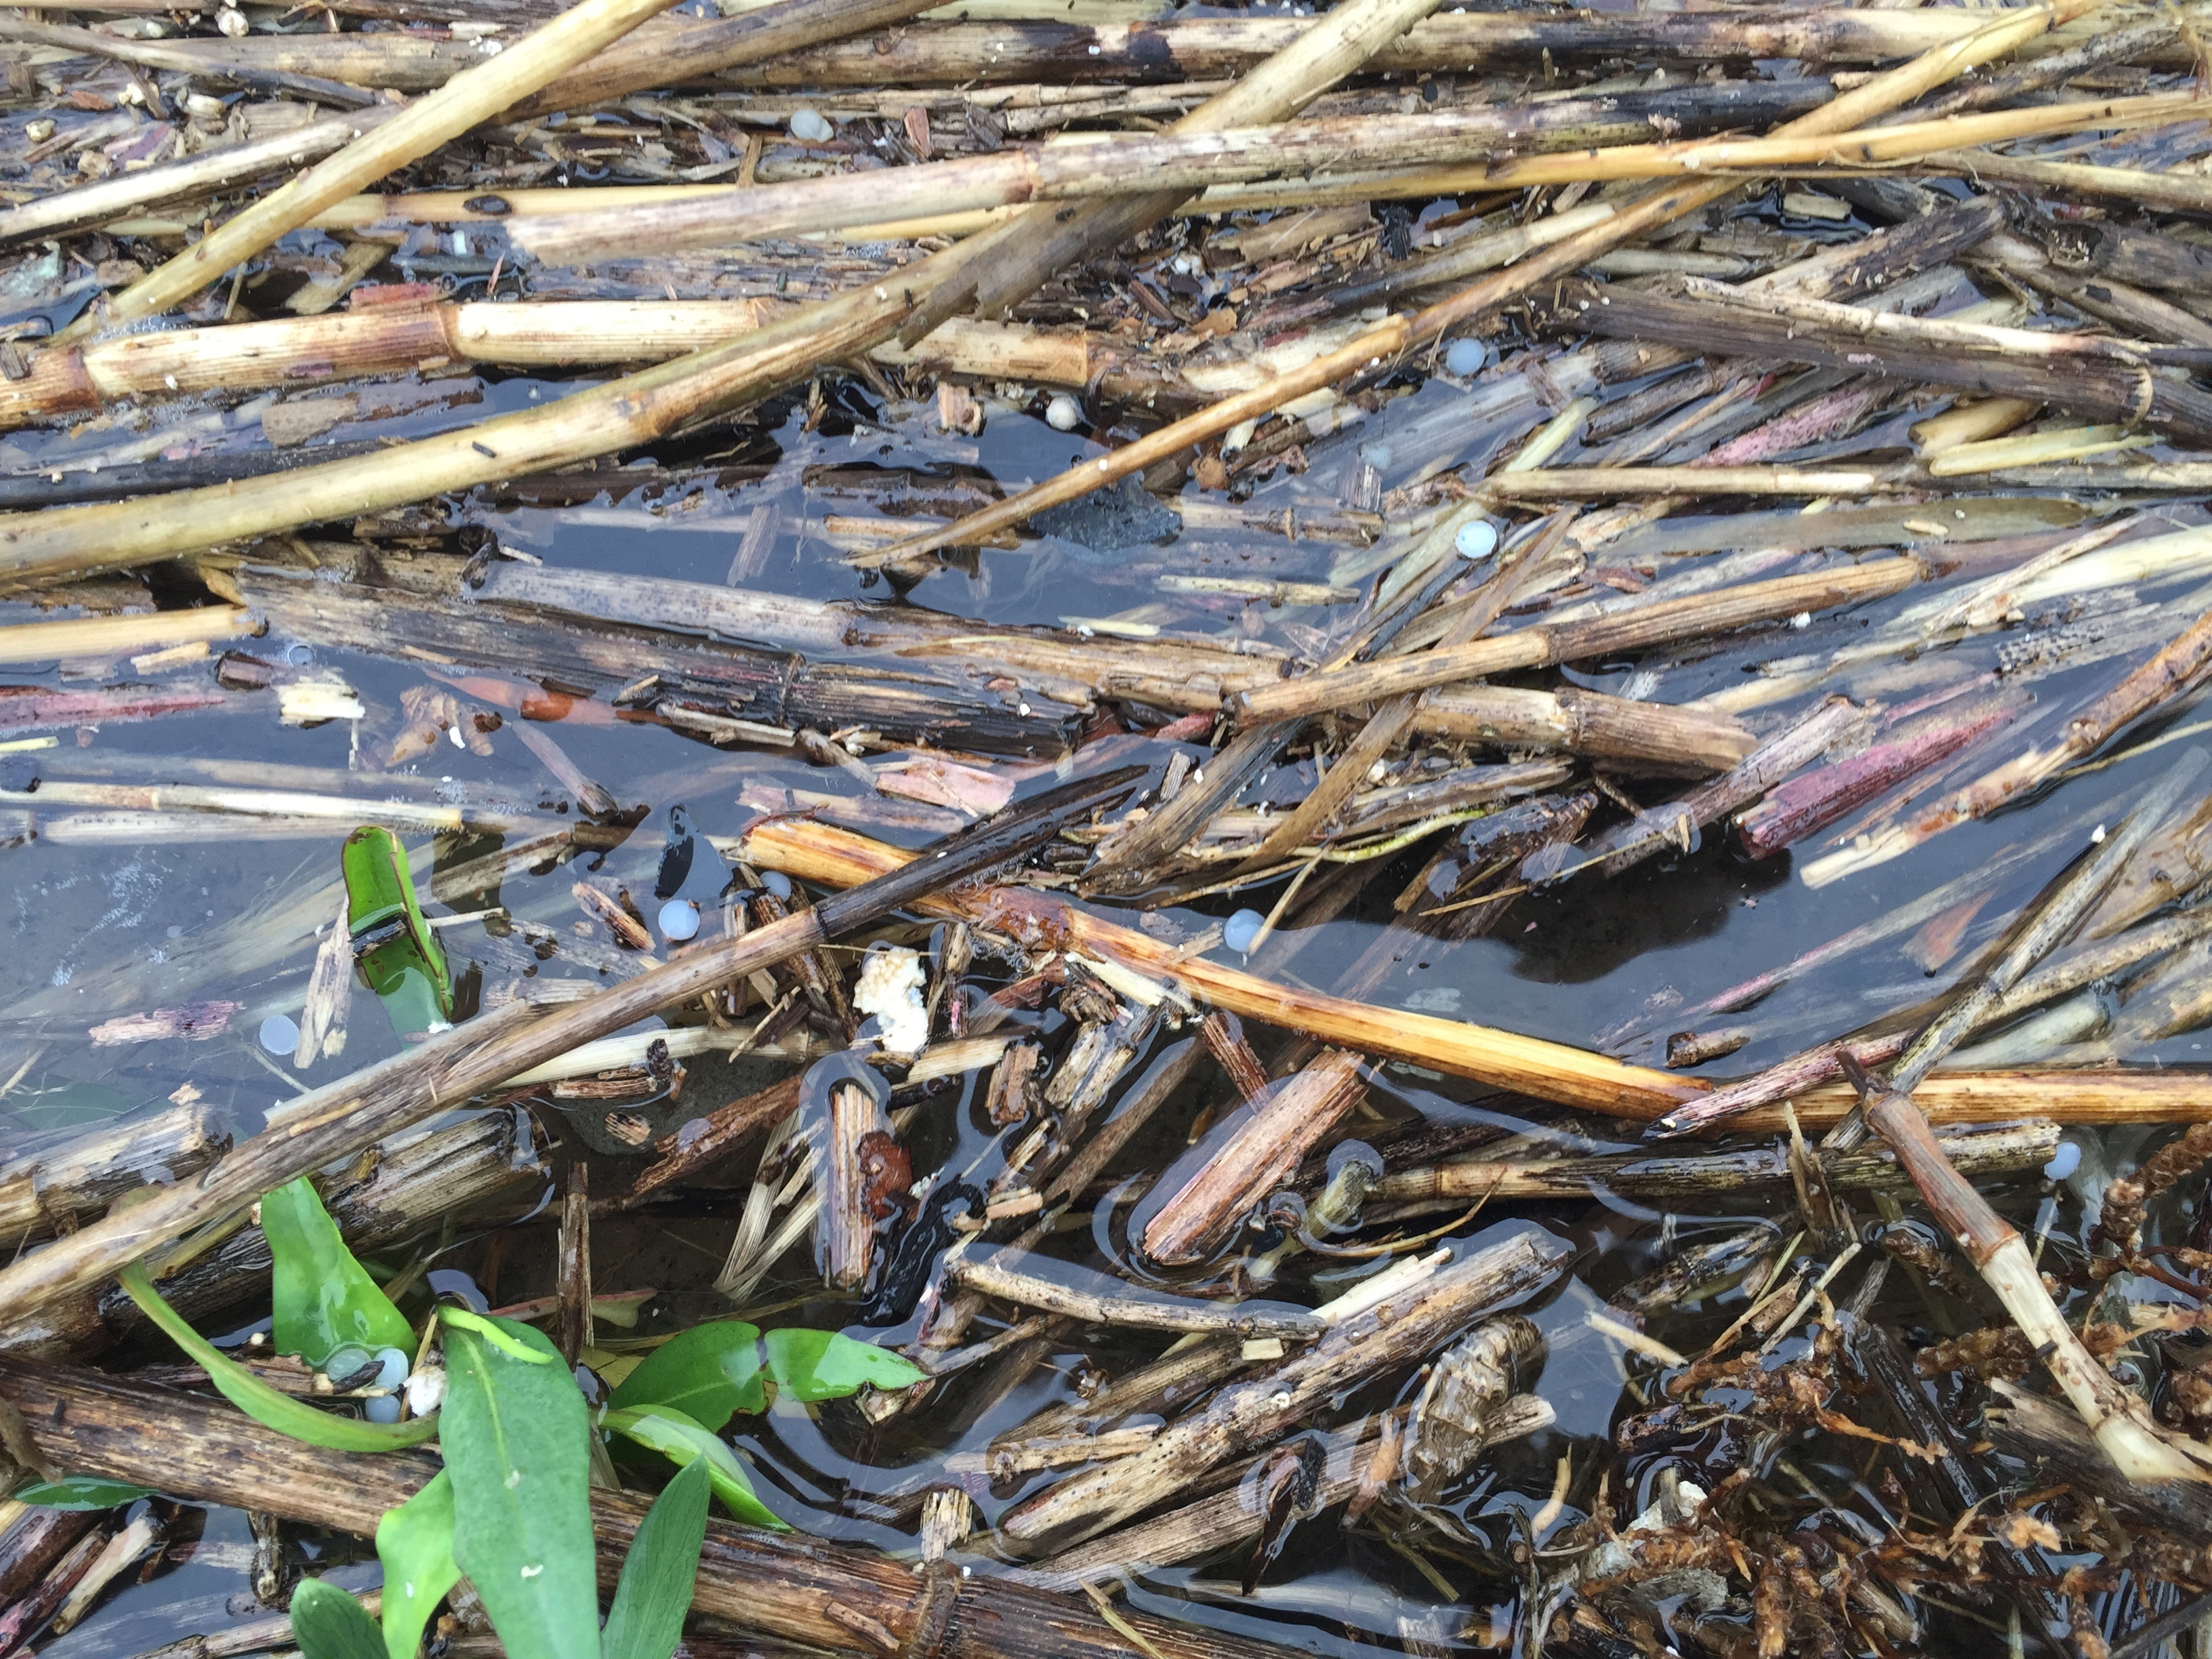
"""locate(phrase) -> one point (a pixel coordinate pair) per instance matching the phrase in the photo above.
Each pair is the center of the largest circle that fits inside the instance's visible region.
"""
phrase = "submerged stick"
(342, 1118)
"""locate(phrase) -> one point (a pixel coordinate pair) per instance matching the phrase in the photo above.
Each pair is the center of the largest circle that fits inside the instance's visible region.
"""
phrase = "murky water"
(98, 932)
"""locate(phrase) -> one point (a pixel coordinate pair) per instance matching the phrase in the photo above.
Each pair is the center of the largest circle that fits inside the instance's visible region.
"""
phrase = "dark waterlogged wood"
(782, 1584)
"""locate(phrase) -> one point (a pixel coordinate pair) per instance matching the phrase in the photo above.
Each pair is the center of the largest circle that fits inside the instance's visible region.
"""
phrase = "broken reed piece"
(101, 201)
(1575, 484)
(861, 1147)
(572, 1265)
(476, 95)
(342, 1118)
(1369, 350)
(391, 337)
(1662, 621)
(1805, 804)
(1404, 1328)
(127, 636)
(807, 1590)
(1981, 1150)
(702, 1142)
(1018, 50)
(1250, 1155)
(2084, 371)
(1230, 1517)
(997, 1277)
(1680, 823)
(54, 1185)
(1589, 723)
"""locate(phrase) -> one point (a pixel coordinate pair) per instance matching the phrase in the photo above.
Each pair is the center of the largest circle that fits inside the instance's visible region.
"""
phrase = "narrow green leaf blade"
(324, 1299)
(646, 1620)
(328, 1624)
(80, 1491)
(827, 1365)
(707, 1373)
(264, 1404)
(515, 1435)
(682, 1440)
(415, 1542)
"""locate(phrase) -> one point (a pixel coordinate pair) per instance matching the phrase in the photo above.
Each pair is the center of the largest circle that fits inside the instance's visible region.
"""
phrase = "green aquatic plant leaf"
(500, 1333)
(80, 1491)
(398, 954)
(415, 1542)
(264, 1404)
(517, 1441)
(709, 1373)
(324, 1299)
(813, 1365)
(647, 1619)
(328, 1624)
(683, 1440)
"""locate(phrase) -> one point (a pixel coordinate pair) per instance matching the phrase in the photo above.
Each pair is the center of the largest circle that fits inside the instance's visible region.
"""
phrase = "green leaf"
(80, 1491)
(825, 1365)
(324, 1301)
(415, 1542)
(399, 953)
(328, 1624)
(707, 1373)
(495, 1332)
(264, 1404)
(517, 1441)
(646, 1620)
(683, 1440)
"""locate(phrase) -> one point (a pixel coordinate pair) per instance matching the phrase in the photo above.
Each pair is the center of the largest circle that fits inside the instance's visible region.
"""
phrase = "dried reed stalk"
(1886, 92)
(1191, 156)
(612, 416)
(475, 95)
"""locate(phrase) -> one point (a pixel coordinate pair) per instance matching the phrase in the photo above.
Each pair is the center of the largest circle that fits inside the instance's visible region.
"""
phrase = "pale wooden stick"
(124, 636)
